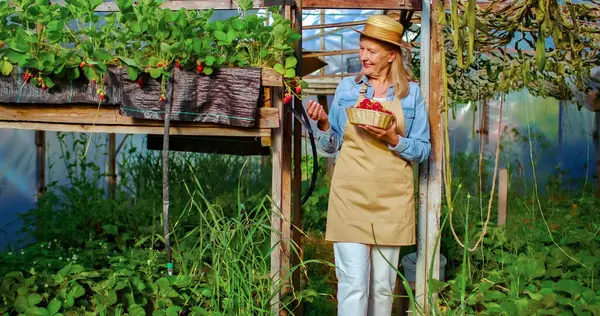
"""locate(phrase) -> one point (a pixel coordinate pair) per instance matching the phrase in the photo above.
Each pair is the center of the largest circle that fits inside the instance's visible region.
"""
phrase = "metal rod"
(165, 161)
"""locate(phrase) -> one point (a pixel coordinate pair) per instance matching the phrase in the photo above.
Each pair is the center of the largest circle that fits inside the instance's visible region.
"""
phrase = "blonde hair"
(398, 75)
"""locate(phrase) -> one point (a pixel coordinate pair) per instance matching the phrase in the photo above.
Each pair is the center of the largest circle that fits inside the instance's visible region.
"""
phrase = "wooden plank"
(332, 25)
(266, 141)
(196, 5)
(136, 129)
(105, 115)
(502, 196)
(330, 52)
(270, 78)
(414, 5)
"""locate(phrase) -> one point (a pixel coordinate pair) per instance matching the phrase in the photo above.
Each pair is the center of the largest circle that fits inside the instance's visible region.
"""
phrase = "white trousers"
(365, 280)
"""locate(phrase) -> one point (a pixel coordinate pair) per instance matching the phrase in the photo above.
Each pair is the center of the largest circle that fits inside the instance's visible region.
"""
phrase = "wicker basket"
(369, 117)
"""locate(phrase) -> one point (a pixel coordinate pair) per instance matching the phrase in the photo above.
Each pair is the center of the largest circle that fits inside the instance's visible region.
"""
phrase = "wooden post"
(430, 174)
(597, 152)
(502, 196)
(40, 144)
(297, 186)
(112, 165)
(281, 195)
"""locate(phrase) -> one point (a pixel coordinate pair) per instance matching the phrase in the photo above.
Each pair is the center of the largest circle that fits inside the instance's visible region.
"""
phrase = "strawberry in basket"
(370, 113)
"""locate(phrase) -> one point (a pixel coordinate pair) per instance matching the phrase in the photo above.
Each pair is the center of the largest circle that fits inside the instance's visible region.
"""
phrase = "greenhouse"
(210, 157)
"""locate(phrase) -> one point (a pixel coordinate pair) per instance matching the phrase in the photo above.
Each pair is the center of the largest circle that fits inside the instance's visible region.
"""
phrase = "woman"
(371, 196)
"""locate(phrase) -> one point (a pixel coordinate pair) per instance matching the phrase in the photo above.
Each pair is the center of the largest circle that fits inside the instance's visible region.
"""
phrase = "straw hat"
(383, 28)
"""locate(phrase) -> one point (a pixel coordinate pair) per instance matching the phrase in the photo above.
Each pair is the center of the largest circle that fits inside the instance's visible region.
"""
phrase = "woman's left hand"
(388, 135)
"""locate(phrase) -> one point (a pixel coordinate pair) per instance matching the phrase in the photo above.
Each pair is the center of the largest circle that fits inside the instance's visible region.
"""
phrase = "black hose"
(305, 122)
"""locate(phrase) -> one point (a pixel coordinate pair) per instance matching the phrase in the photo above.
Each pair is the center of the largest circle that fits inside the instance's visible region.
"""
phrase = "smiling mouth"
(367, 65)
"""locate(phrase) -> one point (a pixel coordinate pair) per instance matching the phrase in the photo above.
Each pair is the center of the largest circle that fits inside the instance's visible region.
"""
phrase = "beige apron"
(371, 185)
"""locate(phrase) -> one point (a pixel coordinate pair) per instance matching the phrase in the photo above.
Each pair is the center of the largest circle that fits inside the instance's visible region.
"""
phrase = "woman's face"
(375, 56)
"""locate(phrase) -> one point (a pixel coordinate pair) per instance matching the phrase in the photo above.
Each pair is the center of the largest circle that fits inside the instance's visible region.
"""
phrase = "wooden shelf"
(106, 119)
(414, 5)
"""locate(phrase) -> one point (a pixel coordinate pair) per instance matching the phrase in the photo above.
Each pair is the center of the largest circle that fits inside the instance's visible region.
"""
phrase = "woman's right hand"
(316, 113)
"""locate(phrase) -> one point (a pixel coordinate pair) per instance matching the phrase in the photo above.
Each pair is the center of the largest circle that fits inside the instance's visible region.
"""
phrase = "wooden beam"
(105, 115)
(430, 174)
(414, 5)
(281, 194)
(270, 78)
(197, 5)
(137, 129)
(332, 25)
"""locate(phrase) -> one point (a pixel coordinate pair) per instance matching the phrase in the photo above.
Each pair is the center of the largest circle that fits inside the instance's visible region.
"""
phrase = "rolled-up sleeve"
(416, 146)
(330, 141)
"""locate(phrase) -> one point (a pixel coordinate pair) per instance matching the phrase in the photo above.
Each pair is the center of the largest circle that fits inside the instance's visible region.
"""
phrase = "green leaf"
(279, 68)
(221, 36)
(132, 73)
(279, 31)
(129, 61)
(199, 311)
(155, 72)
(165, 48)
(173, 310)
(37, 311)
(291, 62)
(49, 83)
(208, 70)
(124, 5)
(136, 310)
(238, 24)
(89, 73)
(34, 299)
(6, 68)
(102, 55)
(110, 229)
(77, 291)
(17, 58)
(290, 73)
(55, 26)
(570, 286)
(73, 73)
(231, 35)
(210, 60)
(196, 45)
(54, 306)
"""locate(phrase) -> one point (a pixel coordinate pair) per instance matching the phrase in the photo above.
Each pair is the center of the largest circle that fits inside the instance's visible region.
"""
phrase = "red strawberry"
(81, 65)
(199, 68)
(287, 99)
(162, 98)
(26, 76)
(298, 89)
(159, 65)
(140, 82)
(377, 106)
(44, 87)
(101, 96)
(177, 64)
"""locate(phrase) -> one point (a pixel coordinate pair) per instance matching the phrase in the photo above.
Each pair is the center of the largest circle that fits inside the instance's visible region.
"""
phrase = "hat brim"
(374, 36)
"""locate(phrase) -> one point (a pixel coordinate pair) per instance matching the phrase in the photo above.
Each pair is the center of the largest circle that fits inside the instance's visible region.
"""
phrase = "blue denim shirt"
(414, 147)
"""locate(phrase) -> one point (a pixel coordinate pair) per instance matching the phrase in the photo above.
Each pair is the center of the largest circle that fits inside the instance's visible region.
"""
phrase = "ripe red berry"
(287, 99)
(159, 65)
(140, 82)
(298, 89)
(44, 87)
(81, 65)
(101, 96)
(199, 68)
(177, 64)
(26, 77)
(162, 98)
